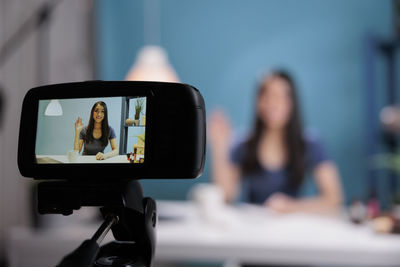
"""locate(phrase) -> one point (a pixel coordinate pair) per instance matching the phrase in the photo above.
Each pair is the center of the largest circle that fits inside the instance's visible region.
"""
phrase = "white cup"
(211, 206)
(73, 156)
(209, 200)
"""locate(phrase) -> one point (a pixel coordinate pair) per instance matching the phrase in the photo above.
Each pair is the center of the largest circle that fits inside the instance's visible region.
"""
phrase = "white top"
(87, 159)
(246, 234)
(251, 234)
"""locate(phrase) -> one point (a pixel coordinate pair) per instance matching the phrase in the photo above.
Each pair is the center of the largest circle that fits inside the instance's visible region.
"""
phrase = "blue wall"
(222, 46)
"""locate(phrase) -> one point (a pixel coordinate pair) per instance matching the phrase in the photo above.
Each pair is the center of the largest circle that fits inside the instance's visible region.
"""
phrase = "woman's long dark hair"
(105, 129)
(295, 145)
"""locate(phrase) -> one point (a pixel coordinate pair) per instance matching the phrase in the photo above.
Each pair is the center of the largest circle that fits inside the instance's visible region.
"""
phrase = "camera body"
(154, 129)
(171, 126)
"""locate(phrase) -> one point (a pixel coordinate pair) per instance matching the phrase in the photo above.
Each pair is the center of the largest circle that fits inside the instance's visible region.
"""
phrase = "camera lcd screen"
(91, 130)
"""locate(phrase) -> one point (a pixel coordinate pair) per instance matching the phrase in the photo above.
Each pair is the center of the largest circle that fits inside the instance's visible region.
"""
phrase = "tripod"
(130, 216)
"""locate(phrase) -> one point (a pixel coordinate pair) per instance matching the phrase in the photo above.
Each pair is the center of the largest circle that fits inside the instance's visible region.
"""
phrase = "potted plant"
(138, 109)
(389, 161)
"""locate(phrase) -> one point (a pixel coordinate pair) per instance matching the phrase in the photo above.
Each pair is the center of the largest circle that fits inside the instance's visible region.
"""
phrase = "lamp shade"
(53, 108)
(152, 65)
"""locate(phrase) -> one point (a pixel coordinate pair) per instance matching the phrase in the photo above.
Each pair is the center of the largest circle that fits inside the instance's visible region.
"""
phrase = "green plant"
(386, 161)
(139, 103)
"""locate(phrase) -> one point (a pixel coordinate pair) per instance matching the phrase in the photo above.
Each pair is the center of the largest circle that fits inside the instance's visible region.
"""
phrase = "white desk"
(253, 236)
(86, 159)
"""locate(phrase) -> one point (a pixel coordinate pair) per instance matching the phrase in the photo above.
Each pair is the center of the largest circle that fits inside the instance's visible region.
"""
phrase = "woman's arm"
(114, 152)
(78, 143)
(329, 199)
(224, 174)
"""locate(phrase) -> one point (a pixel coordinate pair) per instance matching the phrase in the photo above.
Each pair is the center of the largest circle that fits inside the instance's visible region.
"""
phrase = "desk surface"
(242, 234)
(253, 235)
(84, 159)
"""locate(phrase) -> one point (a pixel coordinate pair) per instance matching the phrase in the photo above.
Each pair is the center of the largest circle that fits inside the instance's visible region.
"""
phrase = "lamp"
(151, 62)
(53, 108)
(152, 65)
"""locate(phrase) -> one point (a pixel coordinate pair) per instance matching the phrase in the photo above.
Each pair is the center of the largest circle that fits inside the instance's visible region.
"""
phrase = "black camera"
(94, 140)
(158, 129)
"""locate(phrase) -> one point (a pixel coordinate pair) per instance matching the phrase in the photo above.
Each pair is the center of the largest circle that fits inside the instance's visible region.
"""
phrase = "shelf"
(134, 126)
(125, 129)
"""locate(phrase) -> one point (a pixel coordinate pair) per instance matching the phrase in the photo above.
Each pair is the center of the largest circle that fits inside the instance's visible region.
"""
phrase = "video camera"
(91, 142)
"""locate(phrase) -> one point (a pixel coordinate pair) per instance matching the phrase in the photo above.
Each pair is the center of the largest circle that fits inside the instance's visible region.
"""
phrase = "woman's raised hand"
(79, 125)
(219, 130)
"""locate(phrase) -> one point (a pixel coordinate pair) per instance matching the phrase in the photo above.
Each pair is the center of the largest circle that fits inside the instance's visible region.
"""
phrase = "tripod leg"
(109, 221)
(86, 253)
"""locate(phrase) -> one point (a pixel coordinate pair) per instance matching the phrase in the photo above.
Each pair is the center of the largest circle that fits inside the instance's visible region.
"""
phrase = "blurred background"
(342, 55)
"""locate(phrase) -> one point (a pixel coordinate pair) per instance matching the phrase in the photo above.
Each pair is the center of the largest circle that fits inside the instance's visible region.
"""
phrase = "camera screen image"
(91, 130)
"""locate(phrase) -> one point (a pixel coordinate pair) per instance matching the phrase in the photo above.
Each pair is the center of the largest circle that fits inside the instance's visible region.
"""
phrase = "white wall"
(70, 59)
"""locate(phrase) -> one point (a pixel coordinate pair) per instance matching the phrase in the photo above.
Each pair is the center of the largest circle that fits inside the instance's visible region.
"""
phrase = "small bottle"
(373, 206)
(357, 211)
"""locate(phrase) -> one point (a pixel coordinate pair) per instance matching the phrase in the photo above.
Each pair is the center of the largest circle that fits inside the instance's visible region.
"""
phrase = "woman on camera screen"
(269, 166)
(97, 134)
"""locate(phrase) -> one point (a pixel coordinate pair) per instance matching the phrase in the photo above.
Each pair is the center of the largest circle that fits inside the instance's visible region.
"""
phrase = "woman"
(270, 165)
(96, 135)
